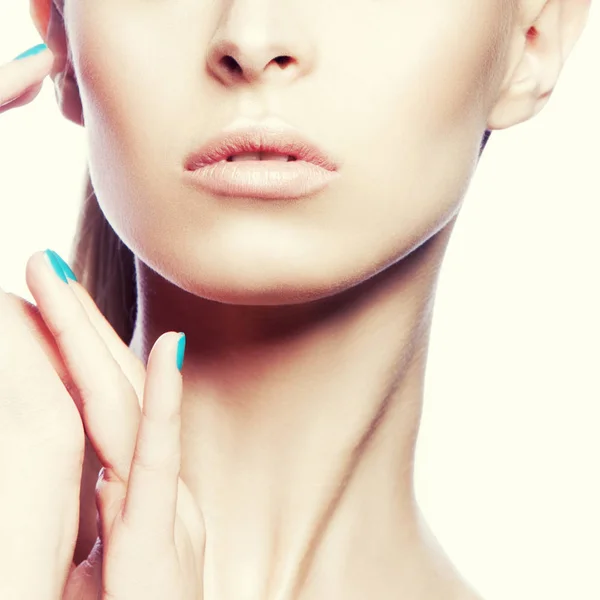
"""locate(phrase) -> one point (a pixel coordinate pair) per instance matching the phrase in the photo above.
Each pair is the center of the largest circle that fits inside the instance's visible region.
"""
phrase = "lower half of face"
(397, 91)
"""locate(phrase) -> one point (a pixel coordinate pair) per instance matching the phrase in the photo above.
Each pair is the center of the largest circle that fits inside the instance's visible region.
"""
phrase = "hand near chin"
(41, 456)
(151, 533)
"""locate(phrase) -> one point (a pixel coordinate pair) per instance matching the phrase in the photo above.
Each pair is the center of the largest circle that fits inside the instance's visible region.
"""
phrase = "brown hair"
(104, 265)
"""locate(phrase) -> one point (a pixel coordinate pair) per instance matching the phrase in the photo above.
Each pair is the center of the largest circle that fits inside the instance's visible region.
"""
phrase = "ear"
(47, 16)
(547, 32)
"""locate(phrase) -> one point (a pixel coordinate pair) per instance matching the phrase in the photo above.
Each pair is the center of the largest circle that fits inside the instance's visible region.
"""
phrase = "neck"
(299, 432)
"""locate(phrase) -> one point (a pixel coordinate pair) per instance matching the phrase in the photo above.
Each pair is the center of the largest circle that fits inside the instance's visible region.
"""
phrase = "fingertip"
(37, 49)
(55, 264)
(171, 343)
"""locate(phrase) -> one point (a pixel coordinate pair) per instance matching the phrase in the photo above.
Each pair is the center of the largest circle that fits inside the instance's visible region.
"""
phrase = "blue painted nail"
(35, 50)
(65, 267)
(55, 264)
(180, 351)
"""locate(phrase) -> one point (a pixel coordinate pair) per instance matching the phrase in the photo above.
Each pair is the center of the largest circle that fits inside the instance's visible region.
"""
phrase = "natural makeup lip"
(291, 166)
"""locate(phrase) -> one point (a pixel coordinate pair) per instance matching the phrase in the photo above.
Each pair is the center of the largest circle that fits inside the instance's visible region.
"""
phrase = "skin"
(307, 322)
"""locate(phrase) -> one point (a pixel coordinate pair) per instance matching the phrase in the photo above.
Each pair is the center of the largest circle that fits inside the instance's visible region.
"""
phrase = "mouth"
(261, 163)
(261, 156)
(260, 144)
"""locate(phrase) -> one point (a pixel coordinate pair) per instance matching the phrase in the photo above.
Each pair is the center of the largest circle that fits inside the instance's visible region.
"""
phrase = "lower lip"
(268, 179)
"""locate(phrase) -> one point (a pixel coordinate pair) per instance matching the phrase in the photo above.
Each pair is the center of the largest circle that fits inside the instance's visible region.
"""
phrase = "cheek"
(414, 107)
(134, 85)
(417, 72)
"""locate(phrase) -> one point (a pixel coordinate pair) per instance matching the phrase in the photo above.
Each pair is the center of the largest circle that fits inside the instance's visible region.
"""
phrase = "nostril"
(283, 61)
(231, 64)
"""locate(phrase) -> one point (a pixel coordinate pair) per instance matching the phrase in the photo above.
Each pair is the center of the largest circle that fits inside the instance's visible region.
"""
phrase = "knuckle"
(61, 329)
(155, 461)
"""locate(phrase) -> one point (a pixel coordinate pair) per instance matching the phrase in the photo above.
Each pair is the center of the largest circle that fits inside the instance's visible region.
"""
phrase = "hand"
(41, 454)
(151, 534)
(21, 80)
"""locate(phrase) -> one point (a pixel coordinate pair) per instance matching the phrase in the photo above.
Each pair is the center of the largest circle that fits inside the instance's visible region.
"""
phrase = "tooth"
(273, 156)
(246, 156)
(260, 156)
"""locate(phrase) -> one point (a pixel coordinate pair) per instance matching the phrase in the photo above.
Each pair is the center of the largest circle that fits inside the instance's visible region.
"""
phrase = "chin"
(261, 288)
(238, 266)
(258, 282)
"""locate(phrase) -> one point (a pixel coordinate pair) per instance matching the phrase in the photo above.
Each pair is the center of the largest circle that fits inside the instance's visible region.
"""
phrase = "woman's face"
(397, 91)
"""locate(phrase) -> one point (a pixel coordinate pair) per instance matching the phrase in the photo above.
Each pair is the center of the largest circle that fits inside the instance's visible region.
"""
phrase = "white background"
(508, 462)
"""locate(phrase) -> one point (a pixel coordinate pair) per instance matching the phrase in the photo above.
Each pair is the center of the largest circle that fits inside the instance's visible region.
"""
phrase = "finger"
(130, 364)
(110, 495)
(106, 400)
(26, 97)
(29, 315)
(24, 366)
(19, 76)
(151, 501)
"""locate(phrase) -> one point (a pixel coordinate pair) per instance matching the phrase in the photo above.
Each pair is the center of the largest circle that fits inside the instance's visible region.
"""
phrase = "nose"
(260, 41)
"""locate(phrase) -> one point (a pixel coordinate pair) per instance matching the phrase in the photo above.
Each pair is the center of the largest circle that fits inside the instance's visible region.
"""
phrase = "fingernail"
(65, 267)
(180, 351)
(35, 50)
(55, 264)
(61, 268)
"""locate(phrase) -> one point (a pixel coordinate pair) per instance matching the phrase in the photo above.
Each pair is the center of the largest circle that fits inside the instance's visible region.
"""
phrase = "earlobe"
(67, 95)
(536, 60)
(519, 95)
(48, 20)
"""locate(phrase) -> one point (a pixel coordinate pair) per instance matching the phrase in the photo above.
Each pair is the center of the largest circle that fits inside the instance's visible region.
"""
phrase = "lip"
(310, 172)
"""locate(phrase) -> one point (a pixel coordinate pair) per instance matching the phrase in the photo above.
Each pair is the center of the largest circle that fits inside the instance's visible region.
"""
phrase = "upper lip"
(259, 139)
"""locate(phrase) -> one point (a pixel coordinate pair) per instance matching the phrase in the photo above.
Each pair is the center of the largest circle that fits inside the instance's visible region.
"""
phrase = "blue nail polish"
(35, 50)
(55, 264)
(180, 351)
(65, 267)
